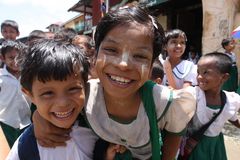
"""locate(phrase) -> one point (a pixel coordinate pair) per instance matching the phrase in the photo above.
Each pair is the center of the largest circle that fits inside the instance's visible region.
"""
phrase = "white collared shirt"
(14, 107)
(185, 71)
(79, 147)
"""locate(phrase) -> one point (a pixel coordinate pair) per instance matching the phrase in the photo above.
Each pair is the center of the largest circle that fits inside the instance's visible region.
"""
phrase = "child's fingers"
(112, 147)
(122, 149)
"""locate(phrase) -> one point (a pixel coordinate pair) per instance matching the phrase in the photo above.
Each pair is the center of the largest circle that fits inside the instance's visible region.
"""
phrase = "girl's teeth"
(120, 79)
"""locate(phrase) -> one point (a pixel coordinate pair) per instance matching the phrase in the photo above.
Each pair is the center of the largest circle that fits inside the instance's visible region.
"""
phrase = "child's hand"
(167, 65)
(47, 134)
(113, 149)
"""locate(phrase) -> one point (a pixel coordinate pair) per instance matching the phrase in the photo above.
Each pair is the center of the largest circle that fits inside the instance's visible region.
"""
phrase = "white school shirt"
(79, 147)
(204, 114)
(14, 107)
(135, 135)
(184, 71)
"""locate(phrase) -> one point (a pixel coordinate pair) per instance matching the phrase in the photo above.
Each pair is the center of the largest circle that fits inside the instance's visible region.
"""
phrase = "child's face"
(59, 102)
(9, 60)
(124, 60)
(175, 47)
(193, 55)
(209, 78)
(230, 46)
(9, 32)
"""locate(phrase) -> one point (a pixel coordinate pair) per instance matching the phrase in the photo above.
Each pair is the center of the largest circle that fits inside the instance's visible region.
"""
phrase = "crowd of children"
(95, 100)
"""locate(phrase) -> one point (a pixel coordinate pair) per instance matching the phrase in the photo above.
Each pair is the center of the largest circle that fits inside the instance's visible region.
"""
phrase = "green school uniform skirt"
(10, 133)
(210, 148)
(232, 83)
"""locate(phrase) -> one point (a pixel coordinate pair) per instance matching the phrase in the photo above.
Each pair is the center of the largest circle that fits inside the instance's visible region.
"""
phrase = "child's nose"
(199, 76)
(124, 62)
(62, 101)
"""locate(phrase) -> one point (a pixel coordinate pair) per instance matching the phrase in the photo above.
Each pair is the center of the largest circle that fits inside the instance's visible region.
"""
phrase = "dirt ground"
(232, 140)
(232, 147)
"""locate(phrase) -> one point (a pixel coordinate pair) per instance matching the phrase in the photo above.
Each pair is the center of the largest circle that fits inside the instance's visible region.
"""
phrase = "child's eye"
(183, 43)
(75, 89)
(173, 41)
(47, 94)
(110, 50)
(140, 56)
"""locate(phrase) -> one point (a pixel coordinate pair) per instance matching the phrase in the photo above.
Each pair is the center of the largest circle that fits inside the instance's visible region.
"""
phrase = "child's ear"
(158, 80)
(225, 77)
(28, 93)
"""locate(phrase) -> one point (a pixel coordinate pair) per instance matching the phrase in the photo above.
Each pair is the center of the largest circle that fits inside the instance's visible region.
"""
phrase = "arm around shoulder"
(181, 110)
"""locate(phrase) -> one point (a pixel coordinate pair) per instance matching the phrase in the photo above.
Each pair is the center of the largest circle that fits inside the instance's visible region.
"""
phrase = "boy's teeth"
(63, 114)
(120, 79)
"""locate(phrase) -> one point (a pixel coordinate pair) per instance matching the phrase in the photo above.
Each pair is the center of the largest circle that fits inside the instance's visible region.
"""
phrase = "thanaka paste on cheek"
(101, 60)
(143, 71)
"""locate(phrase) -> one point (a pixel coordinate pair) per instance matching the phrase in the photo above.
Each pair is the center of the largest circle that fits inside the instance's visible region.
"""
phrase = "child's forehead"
(5, 27)
(123, 31)
(178, 37)
(51, 78)
(208, 62)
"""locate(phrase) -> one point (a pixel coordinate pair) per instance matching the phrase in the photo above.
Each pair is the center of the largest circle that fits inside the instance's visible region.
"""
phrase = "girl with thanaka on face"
(213, 70)
(54, 74)
(179, 73)
(127, 41)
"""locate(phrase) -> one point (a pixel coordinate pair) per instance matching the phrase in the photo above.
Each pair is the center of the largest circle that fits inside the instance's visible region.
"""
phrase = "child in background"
(14, 107)
(9, 30)
(232, 83)
(157, 72)
(35, 35)
(66, 34)
(213, 70)
(193, 55)
(54, 76)
(86, 43)
(179, 73)
(115, 109)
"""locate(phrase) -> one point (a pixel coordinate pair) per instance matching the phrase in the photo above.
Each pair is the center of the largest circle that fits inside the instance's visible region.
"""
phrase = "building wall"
(218, 20)
(220, 17)
(162, 19)
(70, 24)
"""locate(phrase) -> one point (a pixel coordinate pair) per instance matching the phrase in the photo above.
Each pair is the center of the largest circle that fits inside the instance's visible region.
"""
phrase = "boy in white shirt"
(14, 107)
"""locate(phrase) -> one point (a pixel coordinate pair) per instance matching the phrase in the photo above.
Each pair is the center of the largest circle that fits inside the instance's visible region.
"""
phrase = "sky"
(36, 14)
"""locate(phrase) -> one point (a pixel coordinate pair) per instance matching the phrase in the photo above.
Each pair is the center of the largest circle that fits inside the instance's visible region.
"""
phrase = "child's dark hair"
(226, 41)
(157, 70)
(66, 34)
(9, 45)
(36, 34)
(126, 16)
(10, 23)
(52, 59)
(223, 62)
(174, 33)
